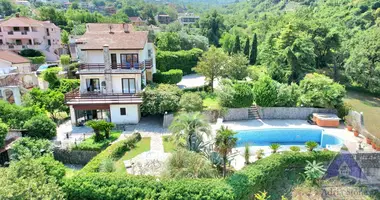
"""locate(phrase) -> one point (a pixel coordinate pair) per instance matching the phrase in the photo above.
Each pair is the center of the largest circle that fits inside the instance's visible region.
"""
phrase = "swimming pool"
(285, 136)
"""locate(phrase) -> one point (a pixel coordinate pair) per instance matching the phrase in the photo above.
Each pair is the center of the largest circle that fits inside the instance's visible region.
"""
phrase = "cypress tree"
(246, 48)
(253, 56)
(236, 48)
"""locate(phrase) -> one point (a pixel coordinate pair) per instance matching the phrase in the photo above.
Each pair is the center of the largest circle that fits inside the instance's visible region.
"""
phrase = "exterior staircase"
(253, 113)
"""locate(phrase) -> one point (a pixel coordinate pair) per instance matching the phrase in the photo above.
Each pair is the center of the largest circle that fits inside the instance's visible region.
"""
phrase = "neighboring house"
(15, 76)
(187, 18)
(137, 21)
(116, 64)
(18, 33)
(23, 3)
(163, 19)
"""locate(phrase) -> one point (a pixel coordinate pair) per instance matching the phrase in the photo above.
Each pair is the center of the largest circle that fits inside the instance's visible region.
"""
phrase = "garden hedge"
(183, 60)
(241, 185)
(172, 76)
(110, 152)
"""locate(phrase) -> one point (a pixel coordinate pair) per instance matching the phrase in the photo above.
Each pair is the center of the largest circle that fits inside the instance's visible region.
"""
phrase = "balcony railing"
(75, 97)
(100, 67)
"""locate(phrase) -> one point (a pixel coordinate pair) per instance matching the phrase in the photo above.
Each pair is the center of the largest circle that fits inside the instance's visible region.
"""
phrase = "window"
(1, 42)
(129, 86)
(113, 61)
(149, 53)
(49, 42)
(16, 28)
(123, 111)
(129, 60)
(93, 85)
(26, 29)
(30, 42)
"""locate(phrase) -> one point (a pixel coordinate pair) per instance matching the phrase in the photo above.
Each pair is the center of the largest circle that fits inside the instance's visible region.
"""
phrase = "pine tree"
(236, 48)
(246, 48)
(253, 56)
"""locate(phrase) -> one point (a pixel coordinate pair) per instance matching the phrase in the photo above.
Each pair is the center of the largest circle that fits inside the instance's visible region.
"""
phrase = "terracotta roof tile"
(12, 57)
(25, 21)
(98, 35)
(135, 19)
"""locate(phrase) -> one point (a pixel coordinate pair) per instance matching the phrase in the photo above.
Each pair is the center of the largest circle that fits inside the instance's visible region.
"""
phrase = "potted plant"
(374, 144)
(348, 122)
(356, 127)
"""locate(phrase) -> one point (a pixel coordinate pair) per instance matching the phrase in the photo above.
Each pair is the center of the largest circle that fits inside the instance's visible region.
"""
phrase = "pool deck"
(348, 138)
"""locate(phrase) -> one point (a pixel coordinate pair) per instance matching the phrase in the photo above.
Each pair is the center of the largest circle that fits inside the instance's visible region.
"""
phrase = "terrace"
(116, 68)
(75, 97)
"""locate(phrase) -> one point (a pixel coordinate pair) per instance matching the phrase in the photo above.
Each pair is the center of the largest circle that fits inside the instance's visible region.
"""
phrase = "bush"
(111, 152)
(172, 76)
(3, 133)
(52, 167)
(89, 144)
(40, 126)
(98, 126)
(160, 99)
(319, 91)
(267, 171)
(238, 95)
(311, 145)
(37, 60)
(107, 165)
(265, 92)
(15, 116)
(287, 95)
(191, 102)
(67, 85)
(30, 53)
(295, 148)
(183, 60)
(50, 75)
(27, 147)
(343, 109)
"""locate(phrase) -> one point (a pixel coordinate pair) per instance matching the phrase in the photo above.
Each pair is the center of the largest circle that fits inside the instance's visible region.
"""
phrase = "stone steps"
(253, 113)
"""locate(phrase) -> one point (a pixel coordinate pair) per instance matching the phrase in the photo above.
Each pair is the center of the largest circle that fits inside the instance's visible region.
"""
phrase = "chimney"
(125, 26)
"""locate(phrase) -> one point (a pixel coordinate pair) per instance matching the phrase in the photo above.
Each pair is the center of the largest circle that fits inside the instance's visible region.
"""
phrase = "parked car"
(45, 67)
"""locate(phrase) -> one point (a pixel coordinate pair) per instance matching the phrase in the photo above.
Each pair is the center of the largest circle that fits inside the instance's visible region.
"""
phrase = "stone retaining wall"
(77, 157)
(234, 114)
(290, 113)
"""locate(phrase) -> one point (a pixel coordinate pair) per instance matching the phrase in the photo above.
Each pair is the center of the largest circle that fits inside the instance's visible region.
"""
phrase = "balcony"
(116, 68)
(75, 97)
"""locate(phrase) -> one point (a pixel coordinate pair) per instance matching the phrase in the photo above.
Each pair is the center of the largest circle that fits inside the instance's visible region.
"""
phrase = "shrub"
(287, 95)
(311, 145)
(111, 152)
(238, 95)
(89, 144)
(255, 72)
(247, 153)
(37, 60)
(107, 165)
(295, 148)
(15, 116)
(67, 85)
(27, 147)
(172, 76)
(52, 167)
(343, 109)
(125, 145)
(191, 102)
(265, 92)
(40, 126)
(319, 91)
(160, 99)
(274, 147)
(30, 53)
(50, 75)
(3, 133)
(183, 60)
(100, 125)
(259, 154)
(314, 171)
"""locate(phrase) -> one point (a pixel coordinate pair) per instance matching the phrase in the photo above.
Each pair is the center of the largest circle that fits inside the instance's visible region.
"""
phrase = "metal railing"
(100, 67)
(76, 96)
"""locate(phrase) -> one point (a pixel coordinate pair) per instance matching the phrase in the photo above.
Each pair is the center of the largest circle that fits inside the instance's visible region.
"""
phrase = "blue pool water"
(285, 136)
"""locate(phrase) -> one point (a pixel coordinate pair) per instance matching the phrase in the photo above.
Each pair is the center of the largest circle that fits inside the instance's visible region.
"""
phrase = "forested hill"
(340, 38)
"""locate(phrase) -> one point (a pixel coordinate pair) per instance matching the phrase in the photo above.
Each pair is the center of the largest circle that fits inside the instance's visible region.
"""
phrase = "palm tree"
(188, 130)
(224, 142)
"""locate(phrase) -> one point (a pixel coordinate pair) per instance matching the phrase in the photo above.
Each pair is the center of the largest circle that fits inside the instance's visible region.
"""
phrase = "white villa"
(116, 64)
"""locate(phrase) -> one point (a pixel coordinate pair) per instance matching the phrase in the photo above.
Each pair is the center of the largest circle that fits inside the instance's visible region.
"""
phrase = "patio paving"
(76, 134)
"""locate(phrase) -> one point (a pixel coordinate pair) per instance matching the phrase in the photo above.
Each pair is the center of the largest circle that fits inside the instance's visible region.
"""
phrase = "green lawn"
(210, 102)
(168, 144)
(90, 144)
(370, 106)
(142, 146)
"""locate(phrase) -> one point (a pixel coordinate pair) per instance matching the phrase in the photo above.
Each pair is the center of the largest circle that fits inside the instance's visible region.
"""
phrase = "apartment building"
(187, 18)
(116, 64)
(19, 33)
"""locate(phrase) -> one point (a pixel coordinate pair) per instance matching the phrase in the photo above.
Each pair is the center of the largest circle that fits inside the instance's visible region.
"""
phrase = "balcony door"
(129, 85)
(113, 61)
(129, 60)
(93, 85)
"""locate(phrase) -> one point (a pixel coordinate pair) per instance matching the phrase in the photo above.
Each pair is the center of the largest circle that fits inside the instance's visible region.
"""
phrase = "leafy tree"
(40, 126)
(236, 67)
(237, 46)
(189, 129)
(212, 26)
(265, 92)
(319, 91)
(29, 179)
(28, 147)
(30, 53)
(50, 75)
(227, 42)
(168, 41)
(211, 64)
(15, 116)
(48, 13)
(3, 133)
(6, 8)
(160, 99)
(246, 48)
(287, 95)
(188, 164)
(188, 42)
(363, 65)
(191, 102)
(100, 125)
(224, 142)
(253, 55)
(52, 167)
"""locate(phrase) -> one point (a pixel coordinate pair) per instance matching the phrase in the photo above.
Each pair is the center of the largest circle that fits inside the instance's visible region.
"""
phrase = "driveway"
(193, 80)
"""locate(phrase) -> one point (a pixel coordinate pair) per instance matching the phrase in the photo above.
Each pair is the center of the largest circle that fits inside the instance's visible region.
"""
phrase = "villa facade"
(116, 62)
(187, 18)
(18, 33)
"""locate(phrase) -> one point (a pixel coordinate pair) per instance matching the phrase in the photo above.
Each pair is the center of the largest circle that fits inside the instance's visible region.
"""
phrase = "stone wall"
(290, 113)
(234, 114)
(13, 134)
(77, 157)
